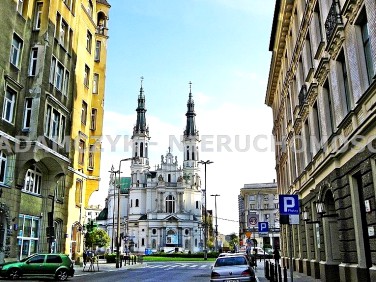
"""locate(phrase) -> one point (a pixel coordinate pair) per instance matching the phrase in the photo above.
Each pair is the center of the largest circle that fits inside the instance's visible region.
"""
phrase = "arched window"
(170, 204)
(193, 153)
(187, 153)
(33, 180)
(141, 149)
(136, 202)
(153, 244)
(3, 166)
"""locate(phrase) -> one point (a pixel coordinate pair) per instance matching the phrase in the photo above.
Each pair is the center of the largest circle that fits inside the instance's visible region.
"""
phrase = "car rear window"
(54, 259)
(226, 261)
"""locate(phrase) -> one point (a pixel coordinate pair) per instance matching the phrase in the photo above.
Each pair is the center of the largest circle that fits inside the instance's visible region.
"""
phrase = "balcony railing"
(333, 20)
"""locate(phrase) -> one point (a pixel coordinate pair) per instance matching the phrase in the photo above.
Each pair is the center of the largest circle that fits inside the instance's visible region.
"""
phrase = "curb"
(105, 267)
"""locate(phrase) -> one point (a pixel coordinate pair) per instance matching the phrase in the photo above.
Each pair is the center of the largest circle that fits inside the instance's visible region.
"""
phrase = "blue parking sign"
(288, 204)
(263, 227)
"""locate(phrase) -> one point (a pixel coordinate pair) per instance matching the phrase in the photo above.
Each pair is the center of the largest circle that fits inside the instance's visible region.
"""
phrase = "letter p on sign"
(288, 204)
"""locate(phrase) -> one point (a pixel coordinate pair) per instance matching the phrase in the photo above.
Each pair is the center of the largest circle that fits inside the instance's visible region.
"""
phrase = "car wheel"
(14, 273)
(62, 275)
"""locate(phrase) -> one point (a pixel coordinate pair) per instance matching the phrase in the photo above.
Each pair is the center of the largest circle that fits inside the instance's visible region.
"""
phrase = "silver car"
(234, 268)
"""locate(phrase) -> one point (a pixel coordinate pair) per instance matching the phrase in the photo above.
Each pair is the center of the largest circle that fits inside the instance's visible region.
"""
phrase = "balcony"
(333, 21)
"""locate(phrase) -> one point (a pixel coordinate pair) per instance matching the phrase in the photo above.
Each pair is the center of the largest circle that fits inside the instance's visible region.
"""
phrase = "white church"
(161, 209)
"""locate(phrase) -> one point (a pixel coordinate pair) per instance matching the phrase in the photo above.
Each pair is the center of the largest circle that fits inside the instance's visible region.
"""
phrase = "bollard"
(267, 270)
(284, 274)
(271, 272)
(279, 273)
(276, 272)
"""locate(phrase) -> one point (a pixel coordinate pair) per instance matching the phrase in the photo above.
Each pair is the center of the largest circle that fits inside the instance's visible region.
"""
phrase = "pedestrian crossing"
(179, 266)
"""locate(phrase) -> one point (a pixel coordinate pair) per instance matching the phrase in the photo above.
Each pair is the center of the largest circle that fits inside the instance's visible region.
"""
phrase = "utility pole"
(216, 223)
(205, 211)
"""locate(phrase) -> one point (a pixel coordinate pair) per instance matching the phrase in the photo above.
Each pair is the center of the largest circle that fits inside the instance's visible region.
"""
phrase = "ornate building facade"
(162, 209)
(322, 91)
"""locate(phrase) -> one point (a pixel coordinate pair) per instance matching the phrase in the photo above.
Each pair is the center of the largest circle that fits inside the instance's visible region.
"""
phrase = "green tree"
(97, 237)
(234, 240)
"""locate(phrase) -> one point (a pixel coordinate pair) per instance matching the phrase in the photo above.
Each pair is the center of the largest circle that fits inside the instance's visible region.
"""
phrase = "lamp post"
(205, 213)
(216, 224)
(112, 171)
(118, 261)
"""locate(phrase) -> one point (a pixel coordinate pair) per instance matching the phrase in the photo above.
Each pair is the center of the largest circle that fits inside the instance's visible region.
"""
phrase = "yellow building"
(91, 47)
(52, 65)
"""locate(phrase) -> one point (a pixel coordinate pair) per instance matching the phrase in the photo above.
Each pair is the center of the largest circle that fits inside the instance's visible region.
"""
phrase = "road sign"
(288, 204)
(263, 226)
(248, 234)
(253, 219)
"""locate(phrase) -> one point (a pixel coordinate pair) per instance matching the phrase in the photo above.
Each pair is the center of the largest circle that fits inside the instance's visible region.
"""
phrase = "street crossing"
(179, 265)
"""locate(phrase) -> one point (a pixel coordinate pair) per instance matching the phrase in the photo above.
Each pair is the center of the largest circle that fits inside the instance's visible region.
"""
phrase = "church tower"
(190, 144)
(140, 143)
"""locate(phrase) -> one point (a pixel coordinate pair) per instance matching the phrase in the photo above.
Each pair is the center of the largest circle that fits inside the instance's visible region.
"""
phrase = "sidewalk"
(297, 276)
(103, 267)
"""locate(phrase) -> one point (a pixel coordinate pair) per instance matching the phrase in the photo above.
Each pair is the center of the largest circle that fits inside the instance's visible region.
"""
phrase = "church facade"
(162, 209)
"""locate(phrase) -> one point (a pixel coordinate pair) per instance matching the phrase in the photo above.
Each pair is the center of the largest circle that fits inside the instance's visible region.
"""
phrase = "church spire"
(140, 126)
(190, 129)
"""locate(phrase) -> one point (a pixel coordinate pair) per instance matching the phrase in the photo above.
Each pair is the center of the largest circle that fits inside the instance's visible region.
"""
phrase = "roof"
(261, 185)
(104, 2)
(103, 215)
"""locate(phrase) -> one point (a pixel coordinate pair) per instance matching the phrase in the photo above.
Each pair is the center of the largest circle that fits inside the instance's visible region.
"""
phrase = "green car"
(58, 265)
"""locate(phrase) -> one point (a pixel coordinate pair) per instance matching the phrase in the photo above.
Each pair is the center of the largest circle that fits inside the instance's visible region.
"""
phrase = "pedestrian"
(277, 256)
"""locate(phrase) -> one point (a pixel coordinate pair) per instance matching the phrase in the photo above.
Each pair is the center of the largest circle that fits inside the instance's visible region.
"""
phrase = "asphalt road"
(153, 272)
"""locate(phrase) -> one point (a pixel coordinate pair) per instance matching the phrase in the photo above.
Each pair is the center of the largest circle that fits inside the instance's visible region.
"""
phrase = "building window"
(83, 112)
(33, 180)
(28, 235)
(20, 6)
(197, 205)
(86, 76)
(78, 192)
(93, 119)
(276, 206)
(137, 202)
(97, 54)
(69, 4)
(89, 39)
(252, 206)
(38, 15)
(266, 197)
(317, 125)
(90, 8)
(9, 105)
(328, 106)
(81, 151)
(91, 156)
(33, 62)
(59, 76)
(60, 188)
(266, 206)
(344, 82)
(16, 49)
(54, 125)
(252, 197)
(95, 83)
(3, 167)
(27, 113)
(170, 204)
(366, 47)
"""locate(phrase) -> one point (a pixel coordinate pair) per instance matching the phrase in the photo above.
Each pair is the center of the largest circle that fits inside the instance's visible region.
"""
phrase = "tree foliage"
(97, 237)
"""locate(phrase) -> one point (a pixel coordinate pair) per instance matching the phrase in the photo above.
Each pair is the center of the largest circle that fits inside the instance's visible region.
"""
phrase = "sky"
(221, 46)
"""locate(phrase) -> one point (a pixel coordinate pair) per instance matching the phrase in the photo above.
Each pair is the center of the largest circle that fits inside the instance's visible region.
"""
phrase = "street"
(152, 271)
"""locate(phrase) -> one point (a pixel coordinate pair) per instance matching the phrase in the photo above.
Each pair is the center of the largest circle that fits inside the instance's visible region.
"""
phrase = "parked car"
(259, 252)
(232, 268)
(58, 265)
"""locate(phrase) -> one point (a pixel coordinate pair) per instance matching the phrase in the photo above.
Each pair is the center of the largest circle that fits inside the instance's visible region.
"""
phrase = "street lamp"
(118, 261)
(216, 224)
(205, 221)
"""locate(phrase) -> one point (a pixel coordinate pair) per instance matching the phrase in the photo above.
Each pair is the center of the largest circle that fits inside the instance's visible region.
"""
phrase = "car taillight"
(215, 275)
(246, 272)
